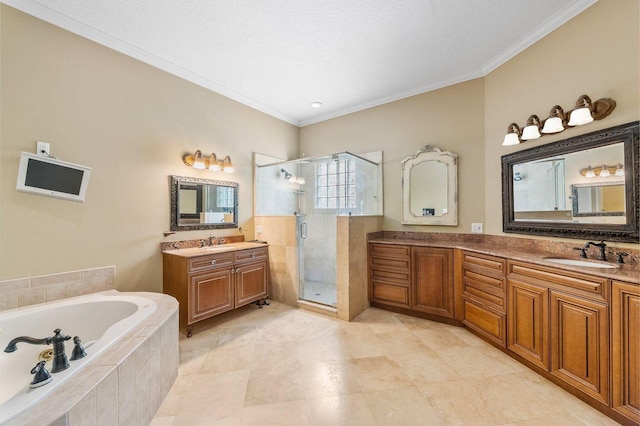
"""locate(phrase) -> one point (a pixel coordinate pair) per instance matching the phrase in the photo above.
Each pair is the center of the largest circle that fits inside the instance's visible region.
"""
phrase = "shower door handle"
(303, 230)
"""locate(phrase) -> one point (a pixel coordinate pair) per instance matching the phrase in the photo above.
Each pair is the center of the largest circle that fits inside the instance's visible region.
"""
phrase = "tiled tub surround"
(523, 249)
(48, 288)
(126, 383)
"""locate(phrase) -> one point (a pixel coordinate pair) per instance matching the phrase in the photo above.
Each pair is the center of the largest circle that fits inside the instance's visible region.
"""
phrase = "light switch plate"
(476, 228)
(258, 229)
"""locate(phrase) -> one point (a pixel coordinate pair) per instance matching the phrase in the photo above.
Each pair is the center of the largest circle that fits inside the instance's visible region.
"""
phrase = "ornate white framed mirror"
(430, 188)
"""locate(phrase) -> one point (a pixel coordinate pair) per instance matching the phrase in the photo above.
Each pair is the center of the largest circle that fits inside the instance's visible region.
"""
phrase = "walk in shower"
(316, 191)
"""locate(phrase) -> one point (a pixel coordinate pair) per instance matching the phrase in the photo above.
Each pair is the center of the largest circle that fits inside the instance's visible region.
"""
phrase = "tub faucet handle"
(78, 349)
(60, 361)
(42, 376)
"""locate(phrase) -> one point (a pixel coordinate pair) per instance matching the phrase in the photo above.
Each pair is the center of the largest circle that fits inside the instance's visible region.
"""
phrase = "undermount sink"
(577, 262)
(214, 248)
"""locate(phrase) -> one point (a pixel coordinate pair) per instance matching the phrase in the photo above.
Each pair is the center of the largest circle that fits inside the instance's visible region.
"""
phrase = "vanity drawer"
(571, 282)
(485, 321)
(211, 261)
(484, 264)
(483, 279)
(390, 251)
(390, 294)
(250, 255)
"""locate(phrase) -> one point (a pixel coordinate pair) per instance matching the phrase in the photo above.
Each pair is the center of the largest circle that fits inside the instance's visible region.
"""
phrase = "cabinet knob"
(253, 255)
(213, 262)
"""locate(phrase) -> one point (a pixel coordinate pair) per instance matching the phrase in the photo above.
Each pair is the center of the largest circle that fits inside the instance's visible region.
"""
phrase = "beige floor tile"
(379, 373)
(227, 358)
(329, 378)
(403, 406)
(470, 362)
(191, 361)
(364, 346)
(273, 354)
(282, 414)
(339, 410)
(274, 385)
(400, 342)
(281, 365)
(440, 339)
(216, 395)
(458, 403)
(425, 367)
(328, 348)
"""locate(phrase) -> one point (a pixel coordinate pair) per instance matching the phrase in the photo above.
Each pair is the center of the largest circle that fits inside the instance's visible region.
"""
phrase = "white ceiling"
(278, 56)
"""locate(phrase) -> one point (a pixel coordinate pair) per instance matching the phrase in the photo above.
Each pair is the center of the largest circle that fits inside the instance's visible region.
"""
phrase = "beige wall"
(131, 123)
(451, 119)
(596, 53)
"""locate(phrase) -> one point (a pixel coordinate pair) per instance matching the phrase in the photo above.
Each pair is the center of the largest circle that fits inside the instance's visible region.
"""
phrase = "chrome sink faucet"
(60, 361)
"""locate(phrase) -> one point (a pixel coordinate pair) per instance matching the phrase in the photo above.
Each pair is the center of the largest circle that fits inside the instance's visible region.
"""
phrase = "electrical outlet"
(476, 228)
(258, 229)
(42, 148)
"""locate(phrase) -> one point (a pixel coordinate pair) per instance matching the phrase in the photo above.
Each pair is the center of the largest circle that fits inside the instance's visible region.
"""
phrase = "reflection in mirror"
(582, 187)
(203, 204)
(599, 199)
(429, 188)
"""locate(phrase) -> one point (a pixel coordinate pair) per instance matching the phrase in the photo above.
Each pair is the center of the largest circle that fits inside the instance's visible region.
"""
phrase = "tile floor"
(285, 366)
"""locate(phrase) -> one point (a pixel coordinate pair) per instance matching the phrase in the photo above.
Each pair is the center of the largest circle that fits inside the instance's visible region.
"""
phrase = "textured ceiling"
(278, 56)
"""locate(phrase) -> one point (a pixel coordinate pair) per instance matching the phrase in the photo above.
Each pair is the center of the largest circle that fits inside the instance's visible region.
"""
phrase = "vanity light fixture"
(603, 171)
(197, 161)
(532, 129)
(227, 165)
(585, 111)
(513, 135)
(588, 172)
(555, 122)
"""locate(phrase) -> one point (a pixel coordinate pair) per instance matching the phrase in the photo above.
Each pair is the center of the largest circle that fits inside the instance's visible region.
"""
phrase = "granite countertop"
(623, 272)
(214, 249)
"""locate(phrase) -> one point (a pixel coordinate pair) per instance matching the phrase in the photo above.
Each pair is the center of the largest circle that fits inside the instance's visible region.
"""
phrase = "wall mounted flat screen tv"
(52, 177)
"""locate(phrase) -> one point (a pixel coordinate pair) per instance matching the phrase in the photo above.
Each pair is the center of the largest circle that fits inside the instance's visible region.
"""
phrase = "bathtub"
(98, 319)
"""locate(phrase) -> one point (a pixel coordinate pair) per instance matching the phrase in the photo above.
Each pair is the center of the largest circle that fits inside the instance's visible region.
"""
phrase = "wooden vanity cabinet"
(484, 295)
(432, 281)
(389, 274)
(413, 279)
(625, 349)
(558, 320)
(211, 284)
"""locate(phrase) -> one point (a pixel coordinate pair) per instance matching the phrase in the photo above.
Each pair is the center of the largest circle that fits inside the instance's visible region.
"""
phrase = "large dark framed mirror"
(584, 187)
(203, 204)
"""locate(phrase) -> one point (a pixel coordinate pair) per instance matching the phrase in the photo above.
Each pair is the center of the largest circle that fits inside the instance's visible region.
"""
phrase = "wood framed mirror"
(203, 204)
(430, 188)
(542, 187)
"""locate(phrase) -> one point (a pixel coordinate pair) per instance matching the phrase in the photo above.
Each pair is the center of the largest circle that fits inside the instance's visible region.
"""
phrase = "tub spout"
(60, 361)
(12, 346)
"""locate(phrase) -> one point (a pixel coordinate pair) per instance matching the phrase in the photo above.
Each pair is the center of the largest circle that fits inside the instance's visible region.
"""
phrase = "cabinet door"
(579, 345)
(625, 343)
(210, 293)
(432, 285)
(528, 322)
(251, 283)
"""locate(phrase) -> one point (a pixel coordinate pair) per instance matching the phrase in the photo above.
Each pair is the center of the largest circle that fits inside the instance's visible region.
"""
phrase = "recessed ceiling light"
(316, 104)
